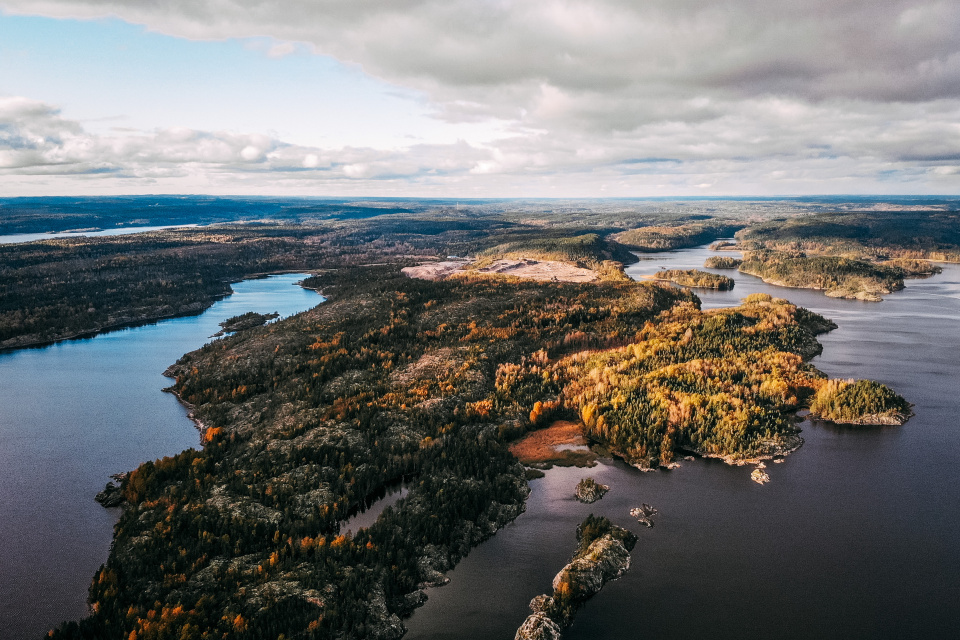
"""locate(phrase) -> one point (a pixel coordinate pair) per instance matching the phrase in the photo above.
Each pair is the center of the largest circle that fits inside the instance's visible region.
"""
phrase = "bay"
(854, 537)
(73, 413)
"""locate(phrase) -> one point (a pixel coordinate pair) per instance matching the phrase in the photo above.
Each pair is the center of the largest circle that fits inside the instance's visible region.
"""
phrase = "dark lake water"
(75, 412)
(857, 535)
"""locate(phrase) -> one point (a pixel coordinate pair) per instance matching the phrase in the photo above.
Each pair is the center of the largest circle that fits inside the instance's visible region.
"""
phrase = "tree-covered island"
(837, 277)
(722, 262)
(696, 278)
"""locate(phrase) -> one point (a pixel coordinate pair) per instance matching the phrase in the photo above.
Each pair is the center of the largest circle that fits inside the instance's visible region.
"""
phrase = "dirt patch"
(562, 444)
(543, 270)
(550, 270)
(434, 270)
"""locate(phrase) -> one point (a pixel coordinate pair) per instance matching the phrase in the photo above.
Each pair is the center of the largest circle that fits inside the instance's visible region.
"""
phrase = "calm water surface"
(856, 536)
(16, 238)
(75, 412)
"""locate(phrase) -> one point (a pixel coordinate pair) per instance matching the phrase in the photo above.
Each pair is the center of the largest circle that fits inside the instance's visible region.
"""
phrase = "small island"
(837, 277)
(644, 514)
(589, 490)
(725, 245)
(860, 402)
(722, 262)
(603, 555)
(244, 321)
(697, 278)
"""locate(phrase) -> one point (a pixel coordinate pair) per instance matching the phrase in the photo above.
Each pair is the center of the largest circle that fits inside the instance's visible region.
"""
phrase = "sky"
(480, 98)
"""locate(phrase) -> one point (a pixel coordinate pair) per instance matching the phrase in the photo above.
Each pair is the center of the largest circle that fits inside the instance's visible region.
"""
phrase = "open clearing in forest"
(562, 443)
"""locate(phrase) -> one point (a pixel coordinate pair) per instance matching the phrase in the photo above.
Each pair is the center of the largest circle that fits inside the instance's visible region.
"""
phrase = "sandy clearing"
(434, 270)
(540, 270)
(543, 270)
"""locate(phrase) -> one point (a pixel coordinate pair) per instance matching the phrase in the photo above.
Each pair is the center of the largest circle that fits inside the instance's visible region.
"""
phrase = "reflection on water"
(75, 412)
(365, 518)
(854, 536)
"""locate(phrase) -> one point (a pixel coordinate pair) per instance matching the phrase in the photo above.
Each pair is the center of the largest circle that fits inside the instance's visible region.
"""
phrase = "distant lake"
(15, 238)
(855, 536)
(75, 412)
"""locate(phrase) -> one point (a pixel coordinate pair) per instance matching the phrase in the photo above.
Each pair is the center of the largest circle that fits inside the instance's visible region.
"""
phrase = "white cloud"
(36, 141)
(746, 96)
(758, 146)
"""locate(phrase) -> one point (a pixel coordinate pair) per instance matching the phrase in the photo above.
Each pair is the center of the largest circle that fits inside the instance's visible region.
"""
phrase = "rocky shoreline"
(589, 490)
(604, 555)
(838, 292)
(873, 419)
(776, 450)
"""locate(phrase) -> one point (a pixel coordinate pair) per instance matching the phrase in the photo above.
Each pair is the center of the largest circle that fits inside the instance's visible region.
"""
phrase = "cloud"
(35, 140)
(586, 85)
(759, 146)
(459, 50)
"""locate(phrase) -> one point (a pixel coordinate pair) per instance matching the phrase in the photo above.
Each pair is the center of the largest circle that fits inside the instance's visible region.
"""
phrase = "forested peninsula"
(306, 419)
(869, 236)
(837, 277)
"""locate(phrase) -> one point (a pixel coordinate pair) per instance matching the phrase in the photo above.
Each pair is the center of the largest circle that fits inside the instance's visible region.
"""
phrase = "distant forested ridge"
(68, 287)
(691, 234)
(588, 249)
(873, 235)
(46, 214)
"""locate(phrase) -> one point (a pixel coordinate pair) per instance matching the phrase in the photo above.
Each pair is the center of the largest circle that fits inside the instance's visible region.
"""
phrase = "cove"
(73, 413)
(854, 536)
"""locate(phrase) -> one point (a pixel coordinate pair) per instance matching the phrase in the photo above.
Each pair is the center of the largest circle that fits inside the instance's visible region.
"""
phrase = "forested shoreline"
(304, 419)
(307, 419)
(57, 289)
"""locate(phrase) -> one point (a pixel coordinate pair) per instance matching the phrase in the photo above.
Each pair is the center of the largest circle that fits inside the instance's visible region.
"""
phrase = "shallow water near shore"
(855, 536)
(73, 413)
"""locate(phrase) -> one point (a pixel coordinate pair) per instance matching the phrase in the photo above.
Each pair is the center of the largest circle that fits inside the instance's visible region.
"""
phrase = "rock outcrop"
(538, 626)
(111, 496)
(604, 555)
(605, 559)
(759, 475)
(589, 490)
(643, 514)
